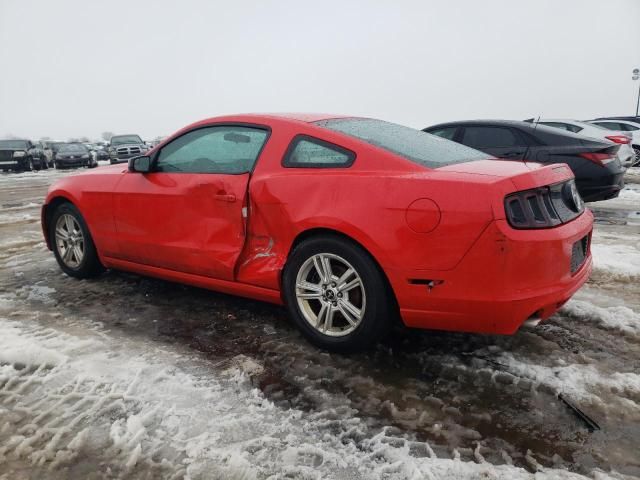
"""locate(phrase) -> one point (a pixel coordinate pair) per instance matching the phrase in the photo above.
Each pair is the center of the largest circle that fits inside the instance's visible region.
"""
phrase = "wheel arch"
(326, 231)
(47, 211)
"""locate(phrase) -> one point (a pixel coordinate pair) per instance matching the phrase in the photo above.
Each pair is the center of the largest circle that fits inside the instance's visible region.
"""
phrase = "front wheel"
(337, 294)
(72, 243)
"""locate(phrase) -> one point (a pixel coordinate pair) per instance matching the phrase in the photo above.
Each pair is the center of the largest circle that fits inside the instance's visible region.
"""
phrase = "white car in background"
(626, 154)
(628, 127)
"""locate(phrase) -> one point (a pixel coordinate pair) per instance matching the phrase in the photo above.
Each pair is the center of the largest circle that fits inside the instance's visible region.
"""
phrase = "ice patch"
(40, 293)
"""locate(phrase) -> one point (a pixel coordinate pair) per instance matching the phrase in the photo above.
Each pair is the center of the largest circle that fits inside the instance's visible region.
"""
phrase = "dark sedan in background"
(595, 164)
(21, 155)
(71, 155)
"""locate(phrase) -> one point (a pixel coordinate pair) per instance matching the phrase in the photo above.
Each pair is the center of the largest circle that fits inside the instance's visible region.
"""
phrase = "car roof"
(506, 123)
(297, 117)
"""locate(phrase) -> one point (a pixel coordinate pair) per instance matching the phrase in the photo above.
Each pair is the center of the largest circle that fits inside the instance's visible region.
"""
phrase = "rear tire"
(72, 244)
(345, 310)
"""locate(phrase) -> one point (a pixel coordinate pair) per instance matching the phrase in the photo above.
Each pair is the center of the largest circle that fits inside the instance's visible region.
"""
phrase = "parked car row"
(598, 155)
(26, 155)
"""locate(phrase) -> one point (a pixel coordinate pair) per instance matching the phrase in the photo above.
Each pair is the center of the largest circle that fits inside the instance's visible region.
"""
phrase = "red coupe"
(348, 221)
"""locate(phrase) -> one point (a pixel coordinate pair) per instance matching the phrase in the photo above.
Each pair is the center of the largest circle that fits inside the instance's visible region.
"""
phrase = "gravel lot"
(130, 377)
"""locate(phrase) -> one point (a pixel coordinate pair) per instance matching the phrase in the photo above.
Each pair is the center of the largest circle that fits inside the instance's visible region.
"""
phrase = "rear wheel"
(72, 243)
(336, 294)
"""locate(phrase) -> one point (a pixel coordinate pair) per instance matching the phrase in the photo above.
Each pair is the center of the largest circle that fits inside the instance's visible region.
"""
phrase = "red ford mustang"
(347, 221)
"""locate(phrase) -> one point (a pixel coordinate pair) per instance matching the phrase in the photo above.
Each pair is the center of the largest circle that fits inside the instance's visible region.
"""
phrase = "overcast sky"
(77, 68)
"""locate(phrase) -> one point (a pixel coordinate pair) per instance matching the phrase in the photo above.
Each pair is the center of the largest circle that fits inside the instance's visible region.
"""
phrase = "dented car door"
(188, 213)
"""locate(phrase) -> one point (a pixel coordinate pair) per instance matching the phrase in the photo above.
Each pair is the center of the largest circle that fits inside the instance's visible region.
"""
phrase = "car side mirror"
(140, 164)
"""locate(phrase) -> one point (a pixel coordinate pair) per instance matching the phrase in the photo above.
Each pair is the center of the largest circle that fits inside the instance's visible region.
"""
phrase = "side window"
(217, 149)
(487, 137)
(309, 152)
(447, 132)
(608, 125)
(563, 126)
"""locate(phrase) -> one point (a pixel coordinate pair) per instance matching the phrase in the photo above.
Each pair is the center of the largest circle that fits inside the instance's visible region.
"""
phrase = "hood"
(128, 145)
(14, 149)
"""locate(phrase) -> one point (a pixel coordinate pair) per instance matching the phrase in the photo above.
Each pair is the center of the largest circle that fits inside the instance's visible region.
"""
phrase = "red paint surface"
(176, 226)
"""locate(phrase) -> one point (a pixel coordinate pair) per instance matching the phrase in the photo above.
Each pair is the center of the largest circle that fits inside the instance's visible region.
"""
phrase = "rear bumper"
(603, 188)
(507, 277)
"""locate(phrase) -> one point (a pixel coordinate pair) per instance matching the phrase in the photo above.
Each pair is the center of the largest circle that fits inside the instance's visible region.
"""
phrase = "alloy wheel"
(330, 294)
(70, 240)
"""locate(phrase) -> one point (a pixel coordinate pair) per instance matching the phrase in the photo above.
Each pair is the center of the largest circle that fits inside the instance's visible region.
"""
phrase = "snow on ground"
(139, 411)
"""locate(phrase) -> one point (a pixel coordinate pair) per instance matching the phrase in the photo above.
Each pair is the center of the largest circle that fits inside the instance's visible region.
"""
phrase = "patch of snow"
(582, 382)
(617, 318)
(132, 409)
(616, 262)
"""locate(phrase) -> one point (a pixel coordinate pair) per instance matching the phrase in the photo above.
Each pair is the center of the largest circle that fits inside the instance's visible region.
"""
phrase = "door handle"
(226, 197)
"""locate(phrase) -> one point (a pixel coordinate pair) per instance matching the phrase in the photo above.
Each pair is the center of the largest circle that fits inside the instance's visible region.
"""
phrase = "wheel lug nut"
(339, 295)
(333, 284)
(335, 304)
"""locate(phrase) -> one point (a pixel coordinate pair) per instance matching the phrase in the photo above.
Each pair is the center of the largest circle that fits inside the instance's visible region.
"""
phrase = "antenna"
(535, 125)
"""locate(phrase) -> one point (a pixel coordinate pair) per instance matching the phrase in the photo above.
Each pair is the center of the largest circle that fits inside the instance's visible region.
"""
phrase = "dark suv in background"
(123, 147)
(21, 155)
(595, 163)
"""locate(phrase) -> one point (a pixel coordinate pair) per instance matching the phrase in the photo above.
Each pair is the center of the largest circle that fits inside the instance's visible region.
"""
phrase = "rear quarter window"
(415, 145)
(309, 152)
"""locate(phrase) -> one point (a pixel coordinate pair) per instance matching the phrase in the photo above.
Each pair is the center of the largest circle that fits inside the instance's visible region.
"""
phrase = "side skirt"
(223, 286)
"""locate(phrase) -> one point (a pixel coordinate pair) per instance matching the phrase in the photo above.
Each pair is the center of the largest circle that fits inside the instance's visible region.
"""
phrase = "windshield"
(419, 147)
(73, 148)
(14, 144)
(124, 139)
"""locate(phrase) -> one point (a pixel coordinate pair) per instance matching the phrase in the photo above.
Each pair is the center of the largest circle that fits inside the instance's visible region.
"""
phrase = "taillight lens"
(621, 139)
(543, 207)
(599, 158)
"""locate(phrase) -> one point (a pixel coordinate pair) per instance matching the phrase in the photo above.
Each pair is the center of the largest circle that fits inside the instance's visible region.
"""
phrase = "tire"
(636, 160)
(371, 297)
(68, 218)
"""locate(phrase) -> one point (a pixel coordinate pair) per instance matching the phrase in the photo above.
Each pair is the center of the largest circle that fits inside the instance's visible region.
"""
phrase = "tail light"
(620, 139)
(600, 158)
(544, 207)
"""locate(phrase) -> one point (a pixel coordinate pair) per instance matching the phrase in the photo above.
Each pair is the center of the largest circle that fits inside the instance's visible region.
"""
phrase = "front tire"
(72, 244)
(336, 294)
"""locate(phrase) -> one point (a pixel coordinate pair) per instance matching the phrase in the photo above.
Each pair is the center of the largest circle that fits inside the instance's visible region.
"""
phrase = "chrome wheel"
(330, 294)
(69, 241)
(636, 158)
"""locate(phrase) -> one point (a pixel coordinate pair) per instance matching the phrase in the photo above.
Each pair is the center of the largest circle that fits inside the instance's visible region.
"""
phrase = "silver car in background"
(625, 153)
